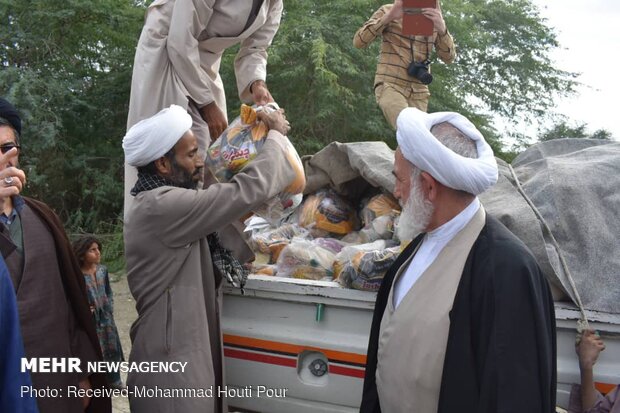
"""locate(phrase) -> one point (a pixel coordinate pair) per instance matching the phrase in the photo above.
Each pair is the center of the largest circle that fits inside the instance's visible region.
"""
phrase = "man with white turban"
(464, 320)
(178, 60)
(175, 261)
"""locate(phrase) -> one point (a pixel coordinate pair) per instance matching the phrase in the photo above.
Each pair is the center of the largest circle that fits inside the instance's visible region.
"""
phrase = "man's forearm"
(444, 44)
(370, 30)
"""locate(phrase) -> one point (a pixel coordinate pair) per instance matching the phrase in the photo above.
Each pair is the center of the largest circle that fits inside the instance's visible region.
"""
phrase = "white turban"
(422, 149)
(152, 138)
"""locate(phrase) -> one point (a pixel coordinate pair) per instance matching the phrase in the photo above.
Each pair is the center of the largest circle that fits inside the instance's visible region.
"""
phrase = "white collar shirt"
(432, 244)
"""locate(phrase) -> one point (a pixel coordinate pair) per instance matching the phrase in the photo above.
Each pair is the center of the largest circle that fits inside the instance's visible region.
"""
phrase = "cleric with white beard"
(464, 320)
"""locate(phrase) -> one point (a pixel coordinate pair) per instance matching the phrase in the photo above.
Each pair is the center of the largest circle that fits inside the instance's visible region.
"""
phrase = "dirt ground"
(124, 315)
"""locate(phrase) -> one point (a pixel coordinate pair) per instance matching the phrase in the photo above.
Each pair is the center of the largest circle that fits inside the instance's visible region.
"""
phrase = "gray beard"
(416, 214)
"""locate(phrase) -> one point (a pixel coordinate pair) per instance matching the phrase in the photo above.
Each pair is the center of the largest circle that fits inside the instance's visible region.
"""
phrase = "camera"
(419, 70)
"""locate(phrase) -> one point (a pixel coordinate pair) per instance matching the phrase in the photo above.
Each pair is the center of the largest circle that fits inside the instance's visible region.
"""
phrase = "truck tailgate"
(309, 337)
(306, 340)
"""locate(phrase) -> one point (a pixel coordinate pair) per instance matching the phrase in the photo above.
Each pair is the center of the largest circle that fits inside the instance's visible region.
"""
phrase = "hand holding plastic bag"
(240, 143)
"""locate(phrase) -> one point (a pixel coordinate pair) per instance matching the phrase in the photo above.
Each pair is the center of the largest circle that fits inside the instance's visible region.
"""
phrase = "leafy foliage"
(326, 85)
(67, 68)
(323, 82)
(503, 58)
(564, 130)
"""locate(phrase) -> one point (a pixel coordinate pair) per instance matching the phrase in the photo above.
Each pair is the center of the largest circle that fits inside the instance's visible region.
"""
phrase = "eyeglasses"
(5, 147)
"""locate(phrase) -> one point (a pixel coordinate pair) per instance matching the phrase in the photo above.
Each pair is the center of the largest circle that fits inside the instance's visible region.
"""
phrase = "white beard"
(416, 214)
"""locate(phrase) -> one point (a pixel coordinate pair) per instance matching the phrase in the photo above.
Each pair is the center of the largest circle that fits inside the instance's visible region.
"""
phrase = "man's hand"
(260, 93)
(396, 12)
(216, 121)
(437, 18)
(85, 384)
(12, 179)
(276, 121)
(588, 349)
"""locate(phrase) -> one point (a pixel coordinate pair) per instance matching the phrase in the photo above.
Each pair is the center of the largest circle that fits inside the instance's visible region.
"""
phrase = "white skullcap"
(422, 149)
(152, 138)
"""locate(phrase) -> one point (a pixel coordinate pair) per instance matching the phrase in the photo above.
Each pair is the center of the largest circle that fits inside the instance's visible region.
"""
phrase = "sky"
(589, 35)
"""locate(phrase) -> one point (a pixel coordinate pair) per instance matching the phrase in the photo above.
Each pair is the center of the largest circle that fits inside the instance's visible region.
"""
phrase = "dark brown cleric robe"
(501, 351)
(54, 314)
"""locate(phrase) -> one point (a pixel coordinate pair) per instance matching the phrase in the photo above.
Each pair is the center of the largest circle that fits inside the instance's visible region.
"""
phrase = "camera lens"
(424, 77)
(419, 70)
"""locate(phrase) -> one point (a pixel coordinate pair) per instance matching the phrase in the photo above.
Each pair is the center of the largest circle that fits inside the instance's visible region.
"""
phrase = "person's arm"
(444, 43)
(376, 24)
(190, 215)
(251, 60)
(588, 349)
(12, 351)
(589, 394)
(260, 92)
(12, 180)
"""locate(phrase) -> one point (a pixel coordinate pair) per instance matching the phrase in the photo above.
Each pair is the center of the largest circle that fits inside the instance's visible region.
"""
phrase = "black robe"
(501, 352)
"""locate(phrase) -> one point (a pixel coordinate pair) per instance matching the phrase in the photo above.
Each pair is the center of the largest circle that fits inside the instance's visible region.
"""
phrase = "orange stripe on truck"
(244, 355)
(604, 388)
(332, 355)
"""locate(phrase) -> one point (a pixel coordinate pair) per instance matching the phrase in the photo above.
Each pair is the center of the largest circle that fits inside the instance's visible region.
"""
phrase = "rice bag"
(284, 233)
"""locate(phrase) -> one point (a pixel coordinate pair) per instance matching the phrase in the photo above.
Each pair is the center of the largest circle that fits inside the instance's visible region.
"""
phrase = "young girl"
(88, 252)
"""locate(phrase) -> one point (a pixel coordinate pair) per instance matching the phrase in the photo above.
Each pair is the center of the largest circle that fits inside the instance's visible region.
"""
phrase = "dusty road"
(124, 315)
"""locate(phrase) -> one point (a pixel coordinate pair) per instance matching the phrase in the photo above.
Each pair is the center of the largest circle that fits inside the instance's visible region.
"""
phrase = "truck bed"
(308, 339)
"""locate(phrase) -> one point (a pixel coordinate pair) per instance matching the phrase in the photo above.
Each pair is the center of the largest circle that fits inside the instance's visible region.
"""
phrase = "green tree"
(326, 85)
(66, 65)
(564, 130)
(316, 74)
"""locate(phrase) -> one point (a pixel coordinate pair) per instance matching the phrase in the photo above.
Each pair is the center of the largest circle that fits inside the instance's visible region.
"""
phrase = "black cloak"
(501, 351)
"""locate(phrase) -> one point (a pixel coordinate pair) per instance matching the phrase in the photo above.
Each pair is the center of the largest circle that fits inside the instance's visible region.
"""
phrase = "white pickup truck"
(310, 337)
(304, 343)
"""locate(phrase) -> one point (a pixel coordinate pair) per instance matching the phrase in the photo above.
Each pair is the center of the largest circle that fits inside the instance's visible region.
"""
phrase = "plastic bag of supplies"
(328, 211)
(239, 144)
(305, 259)
(365, 270)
